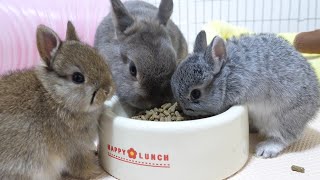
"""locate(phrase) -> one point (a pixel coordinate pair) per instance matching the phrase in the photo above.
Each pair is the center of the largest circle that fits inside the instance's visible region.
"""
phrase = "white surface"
(211, 148)
(305, 152)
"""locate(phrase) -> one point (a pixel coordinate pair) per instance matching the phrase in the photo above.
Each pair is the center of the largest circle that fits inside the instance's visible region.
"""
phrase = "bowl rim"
(226, 117)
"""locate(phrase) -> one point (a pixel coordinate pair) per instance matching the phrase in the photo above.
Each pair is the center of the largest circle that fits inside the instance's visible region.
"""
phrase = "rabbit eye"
(132, 69)
(195, 94)
(77, 78)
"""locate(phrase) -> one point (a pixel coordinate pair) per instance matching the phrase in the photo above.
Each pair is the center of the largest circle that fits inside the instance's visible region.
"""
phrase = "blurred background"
(256, 15)
(19, 20)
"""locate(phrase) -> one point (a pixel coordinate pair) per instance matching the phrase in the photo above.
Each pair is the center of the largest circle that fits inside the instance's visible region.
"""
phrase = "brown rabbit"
(49, 114)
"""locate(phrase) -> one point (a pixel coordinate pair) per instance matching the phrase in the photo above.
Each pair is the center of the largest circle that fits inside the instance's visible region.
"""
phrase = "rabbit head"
(74, 74)
(147, 56)
(194, 84)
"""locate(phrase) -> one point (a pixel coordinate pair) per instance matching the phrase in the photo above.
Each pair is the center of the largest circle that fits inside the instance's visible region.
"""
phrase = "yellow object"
(226, 31)
(316, 66)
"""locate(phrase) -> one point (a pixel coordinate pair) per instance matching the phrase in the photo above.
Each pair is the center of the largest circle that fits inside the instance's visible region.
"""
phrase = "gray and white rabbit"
(261, 71)
(143, 47)
(49, 114)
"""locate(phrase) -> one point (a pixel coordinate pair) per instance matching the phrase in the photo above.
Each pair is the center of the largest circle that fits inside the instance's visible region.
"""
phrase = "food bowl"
(210, 148)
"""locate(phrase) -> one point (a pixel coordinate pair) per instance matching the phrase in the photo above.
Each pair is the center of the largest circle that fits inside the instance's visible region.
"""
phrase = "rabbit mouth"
(93, 96)
(187, 109)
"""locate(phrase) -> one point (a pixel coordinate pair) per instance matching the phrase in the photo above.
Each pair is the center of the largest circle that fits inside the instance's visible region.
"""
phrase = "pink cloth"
(20, 18)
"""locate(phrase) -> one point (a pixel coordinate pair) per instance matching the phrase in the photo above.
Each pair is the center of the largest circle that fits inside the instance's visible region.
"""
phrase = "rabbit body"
(261, 71)
(48, 123)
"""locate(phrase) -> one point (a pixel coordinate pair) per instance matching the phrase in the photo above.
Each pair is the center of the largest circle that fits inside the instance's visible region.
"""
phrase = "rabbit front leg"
(282, 128)
(276, 141)
(85, 165)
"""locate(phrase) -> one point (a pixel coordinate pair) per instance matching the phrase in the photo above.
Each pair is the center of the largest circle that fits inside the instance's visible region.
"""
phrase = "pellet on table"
(297, 168)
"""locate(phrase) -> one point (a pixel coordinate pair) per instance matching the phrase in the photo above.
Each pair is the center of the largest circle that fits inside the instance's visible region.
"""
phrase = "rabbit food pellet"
(297, 168)
(167, 112)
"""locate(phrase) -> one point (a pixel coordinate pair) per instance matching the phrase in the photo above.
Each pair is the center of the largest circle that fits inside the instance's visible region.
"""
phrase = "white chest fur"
(262, 115)
(55, 165)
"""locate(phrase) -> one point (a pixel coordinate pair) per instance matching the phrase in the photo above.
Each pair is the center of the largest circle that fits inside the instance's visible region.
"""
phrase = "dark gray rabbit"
(143, 47)
(261, 71)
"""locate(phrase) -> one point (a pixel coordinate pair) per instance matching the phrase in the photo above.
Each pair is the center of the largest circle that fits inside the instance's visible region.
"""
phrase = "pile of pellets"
(167, 112)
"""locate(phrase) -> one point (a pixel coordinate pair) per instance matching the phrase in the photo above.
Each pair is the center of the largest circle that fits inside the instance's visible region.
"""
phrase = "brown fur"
(47, 122)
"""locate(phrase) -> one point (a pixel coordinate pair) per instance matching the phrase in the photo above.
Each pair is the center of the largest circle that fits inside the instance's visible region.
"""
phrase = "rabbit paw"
(269, 148)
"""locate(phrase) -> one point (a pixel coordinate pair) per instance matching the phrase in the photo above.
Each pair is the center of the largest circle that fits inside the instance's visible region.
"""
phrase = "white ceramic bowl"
(205, 149)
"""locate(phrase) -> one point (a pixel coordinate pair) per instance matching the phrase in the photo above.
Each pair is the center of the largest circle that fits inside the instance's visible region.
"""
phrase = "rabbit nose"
(161, 98)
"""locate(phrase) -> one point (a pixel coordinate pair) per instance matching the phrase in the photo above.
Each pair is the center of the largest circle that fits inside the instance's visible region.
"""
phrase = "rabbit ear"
(48, 43)
(165, 11)
(216, 53)
(121, 16)
(71, 32)
(200, 44)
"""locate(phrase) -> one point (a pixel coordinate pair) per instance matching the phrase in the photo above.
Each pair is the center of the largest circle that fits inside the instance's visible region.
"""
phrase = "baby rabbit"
(49, 114)
(261, 71)
(143, 47)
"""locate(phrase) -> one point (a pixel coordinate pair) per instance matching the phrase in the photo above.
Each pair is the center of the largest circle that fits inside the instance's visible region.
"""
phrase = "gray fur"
(262, 71)
(146, 36)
